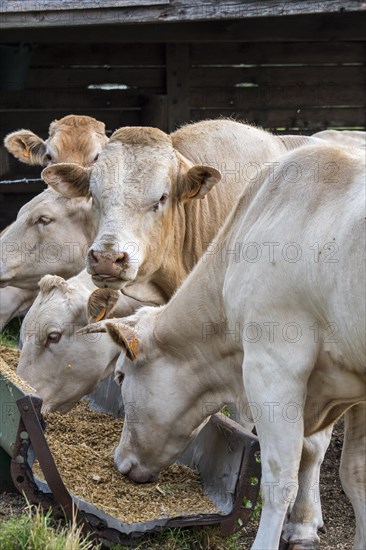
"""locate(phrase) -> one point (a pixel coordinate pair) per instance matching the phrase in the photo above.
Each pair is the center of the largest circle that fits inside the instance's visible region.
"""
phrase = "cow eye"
(162, 201)
(43, 220)
(52, 338)
(96, 157)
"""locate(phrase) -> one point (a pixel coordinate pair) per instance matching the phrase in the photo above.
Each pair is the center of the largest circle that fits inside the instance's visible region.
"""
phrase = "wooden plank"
(10, 205)
(11, 168)
(320, 27)
(39, 121)
(47, 13)
(98, 54)
(228, 53)
(289, 118)
(177, 84)
(69, 98)
(287, 53)
(276, 96)
(51, 5)
(233, 76)
(14, 189)
(75, 77)
(154, 112)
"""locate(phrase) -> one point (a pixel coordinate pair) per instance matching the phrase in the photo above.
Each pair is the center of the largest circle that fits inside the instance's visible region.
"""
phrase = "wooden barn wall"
(292, 87)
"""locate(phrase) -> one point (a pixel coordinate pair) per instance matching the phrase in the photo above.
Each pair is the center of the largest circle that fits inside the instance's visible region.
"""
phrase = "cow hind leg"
(353, 468)
(305, 517)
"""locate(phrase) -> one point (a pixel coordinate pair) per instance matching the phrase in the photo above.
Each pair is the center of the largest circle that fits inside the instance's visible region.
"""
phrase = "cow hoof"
(303, 545)
(283, 544)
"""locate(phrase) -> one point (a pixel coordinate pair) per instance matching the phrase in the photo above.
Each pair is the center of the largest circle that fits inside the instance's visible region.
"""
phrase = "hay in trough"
(83, 442)
(8, 363)
(10, 356)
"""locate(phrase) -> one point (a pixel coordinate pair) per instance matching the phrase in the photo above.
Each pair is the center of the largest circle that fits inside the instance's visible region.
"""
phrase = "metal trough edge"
(219, 431)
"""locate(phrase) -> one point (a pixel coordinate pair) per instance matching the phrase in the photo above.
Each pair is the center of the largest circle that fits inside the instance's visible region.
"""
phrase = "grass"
(35, 530)
(197, 538)
(10, 335)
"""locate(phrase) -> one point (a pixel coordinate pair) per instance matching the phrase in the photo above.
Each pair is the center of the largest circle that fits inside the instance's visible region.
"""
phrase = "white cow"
(348, 138)
(281, 291)
(145, 187)
(62, 367)
(74, 138)
(60, 364)
(14, 302)
(50, 235)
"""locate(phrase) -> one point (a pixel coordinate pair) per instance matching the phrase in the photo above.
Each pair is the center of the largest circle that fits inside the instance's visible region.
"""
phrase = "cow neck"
(173, 269)
(188, 330)
(196, 308)
(189, 236)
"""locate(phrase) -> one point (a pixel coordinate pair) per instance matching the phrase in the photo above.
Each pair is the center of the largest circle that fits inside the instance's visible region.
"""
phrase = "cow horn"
(93, 327)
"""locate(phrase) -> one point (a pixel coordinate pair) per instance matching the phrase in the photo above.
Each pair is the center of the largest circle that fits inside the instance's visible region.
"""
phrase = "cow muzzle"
(109, 269)
(139, 476)
(135, 472)
(129, 467)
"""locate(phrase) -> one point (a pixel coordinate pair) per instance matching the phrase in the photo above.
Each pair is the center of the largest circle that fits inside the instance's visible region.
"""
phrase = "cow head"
(50, 235)
(139, 186)
(73, 138)
(165, 390)
(61, 365)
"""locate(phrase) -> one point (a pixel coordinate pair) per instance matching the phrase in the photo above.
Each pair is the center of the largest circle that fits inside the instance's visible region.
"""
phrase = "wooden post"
(177, 84)
(154, 112)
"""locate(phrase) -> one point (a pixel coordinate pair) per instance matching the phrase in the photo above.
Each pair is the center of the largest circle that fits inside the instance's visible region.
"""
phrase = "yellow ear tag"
(101, 314)
(25, 153)
(134, 346)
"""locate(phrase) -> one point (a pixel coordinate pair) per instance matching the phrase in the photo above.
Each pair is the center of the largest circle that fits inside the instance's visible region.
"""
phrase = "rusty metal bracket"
(21, 471)
(30, 432)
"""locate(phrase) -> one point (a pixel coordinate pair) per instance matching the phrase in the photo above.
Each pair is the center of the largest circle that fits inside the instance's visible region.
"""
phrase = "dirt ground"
(337, 510)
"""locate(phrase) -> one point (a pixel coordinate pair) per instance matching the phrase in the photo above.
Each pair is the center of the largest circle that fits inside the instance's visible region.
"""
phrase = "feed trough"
(224, 454)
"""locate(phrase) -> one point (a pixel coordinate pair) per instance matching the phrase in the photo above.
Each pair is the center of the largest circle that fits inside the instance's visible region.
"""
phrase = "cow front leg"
(275, 379)
(305, 516)
(353, 468)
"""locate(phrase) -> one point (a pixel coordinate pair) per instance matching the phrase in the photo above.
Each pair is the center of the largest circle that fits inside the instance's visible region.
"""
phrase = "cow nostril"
(92, 257)
(121, 259)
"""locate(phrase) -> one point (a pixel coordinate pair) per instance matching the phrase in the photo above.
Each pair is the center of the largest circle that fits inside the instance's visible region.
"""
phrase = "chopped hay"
(8, 363)
(83, 442)
(10, 356)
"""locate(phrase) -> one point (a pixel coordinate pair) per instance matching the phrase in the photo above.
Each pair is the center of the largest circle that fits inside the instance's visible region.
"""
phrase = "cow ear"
(26, 147)
(198, 181)
(68, 179)
(101, 304)
(125, 337)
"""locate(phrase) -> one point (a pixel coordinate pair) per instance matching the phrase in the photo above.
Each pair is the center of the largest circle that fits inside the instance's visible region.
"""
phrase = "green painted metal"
(9, 414)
